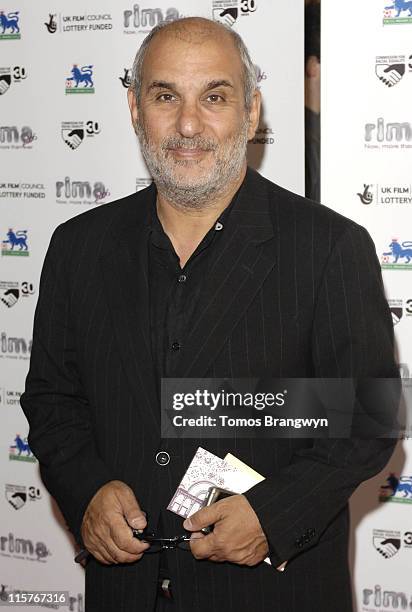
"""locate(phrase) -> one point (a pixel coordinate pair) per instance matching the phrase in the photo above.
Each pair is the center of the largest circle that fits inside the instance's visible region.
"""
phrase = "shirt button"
(175, 346)
(162, 458)
(182, 278)
(218, 226)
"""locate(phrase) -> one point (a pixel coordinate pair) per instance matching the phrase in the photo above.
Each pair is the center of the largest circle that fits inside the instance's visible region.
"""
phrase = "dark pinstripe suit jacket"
(295, 290)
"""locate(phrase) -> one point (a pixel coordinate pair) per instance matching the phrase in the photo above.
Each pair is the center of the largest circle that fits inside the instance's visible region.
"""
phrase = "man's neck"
(186, 228)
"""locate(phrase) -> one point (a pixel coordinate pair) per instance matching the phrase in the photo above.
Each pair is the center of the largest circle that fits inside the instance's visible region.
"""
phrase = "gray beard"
(199, 193)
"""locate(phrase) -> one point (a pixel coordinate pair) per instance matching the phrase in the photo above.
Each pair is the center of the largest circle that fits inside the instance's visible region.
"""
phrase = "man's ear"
(131, 99)
(254, 114)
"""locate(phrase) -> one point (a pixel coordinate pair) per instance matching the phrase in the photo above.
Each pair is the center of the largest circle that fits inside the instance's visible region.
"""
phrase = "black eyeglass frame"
(149, 536)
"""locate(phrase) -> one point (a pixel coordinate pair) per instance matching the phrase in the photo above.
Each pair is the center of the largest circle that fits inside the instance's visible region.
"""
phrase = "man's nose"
(189, 121)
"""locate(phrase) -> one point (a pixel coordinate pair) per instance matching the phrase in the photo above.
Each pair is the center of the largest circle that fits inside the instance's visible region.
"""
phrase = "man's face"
(192, 123)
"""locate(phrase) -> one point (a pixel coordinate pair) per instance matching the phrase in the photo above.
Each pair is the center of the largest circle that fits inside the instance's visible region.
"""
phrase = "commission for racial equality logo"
(401, 309)
(18, 495)
(85, 22)
(73, 133)
(388, 542)
(9, 25)
(390, 69)
(10, 75)
(12, 291)
(397, 12)
(228, 11)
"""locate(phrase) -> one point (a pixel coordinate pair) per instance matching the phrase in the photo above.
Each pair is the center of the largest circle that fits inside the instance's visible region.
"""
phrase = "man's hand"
(237, 535)
(106, 526)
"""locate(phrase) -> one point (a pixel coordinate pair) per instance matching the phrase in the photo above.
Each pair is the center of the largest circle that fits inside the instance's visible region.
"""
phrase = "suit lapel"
(242, 261)
(125, 270)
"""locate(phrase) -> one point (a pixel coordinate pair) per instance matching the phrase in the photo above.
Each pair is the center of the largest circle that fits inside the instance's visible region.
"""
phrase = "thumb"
(135, 517)
(202, 518)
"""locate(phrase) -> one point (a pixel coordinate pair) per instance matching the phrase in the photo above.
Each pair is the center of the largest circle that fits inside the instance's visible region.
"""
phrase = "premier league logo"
(81, 80)
(398, 12)
(399, 257)
(16, 243)
(9, 25)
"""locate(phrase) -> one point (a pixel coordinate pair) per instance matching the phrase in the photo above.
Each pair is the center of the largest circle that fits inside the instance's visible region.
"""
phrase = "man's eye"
(165, 97)
(214, 98)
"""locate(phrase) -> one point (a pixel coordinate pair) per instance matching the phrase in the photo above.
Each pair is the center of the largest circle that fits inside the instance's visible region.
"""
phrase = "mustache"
(197, 142)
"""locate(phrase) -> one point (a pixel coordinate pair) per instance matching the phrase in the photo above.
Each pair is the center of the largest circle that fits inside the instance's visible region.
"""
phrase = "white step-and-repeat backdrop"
(66, 145)
(366, 175)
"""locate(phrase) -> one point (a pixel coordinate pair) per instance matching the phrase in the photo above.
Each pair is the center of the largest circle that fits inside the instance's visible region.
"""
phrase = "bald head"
(196, 31)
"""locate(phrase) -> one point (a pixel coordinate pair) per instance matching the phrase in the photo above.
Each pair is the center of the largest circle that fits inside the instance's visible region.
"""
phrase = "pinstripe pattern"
(295, 290)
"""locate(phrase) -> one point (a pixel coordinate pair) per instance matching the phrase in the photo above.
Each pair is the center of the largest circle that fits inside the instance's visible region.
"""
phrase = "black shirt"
(174, 291)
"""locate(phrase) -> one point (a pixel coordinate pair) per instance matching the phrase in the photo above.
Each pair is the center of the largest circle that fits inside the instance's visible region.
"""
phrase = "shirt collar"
(161, 239)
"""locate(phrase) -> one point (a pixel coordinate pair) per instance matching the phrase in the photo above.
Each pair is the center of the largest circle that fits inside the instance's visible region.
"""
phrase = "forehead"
(198, 57)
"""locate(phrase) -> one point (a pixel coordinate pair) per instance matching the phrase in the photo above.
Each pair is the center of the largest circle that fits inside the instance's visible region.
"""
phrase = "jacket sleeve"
(54, 401)
(352, 336)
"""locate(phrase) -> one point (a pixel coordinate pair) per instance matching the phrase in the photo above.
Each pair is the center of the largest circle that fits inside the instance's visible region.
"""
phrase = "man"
(312, 101)
(213, 271)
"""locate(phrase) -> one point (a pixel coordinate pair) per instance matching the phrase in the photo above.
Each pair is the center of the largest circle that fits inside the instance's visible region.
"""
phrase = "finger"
(100, 552)
(203, 548)
(122, 537)
(120, 556)
(104, 557)
(131, 509)
(203, 518)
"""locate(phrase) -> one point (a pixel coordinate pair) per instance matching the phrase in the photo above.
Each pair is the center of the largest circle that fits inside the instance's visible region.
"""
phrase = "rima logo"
(144, 19)
(13, 138)
(388, 135)
(381, 599)
(14, 348)
(80, 192)
(22, 548)
(9, 24)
